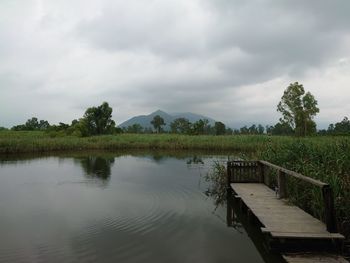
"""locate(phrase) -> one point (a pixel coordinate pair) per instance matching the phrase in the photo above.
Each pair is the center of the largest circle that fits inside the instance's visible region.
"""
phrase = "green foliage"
(298, 109)
(180, 125)
(220, 128)
(32, 125)
(253, 129)
(157, 123)
(340, 128)
(135, 128)
(201, 127)
(36, 141)
(324, 158)
(97, 120)
(281, 128)
(216, 177)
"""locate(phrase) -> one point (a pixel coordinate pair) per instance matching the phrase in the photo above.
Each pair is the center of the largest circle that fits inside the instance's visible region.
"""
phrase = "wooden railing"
(254, 172)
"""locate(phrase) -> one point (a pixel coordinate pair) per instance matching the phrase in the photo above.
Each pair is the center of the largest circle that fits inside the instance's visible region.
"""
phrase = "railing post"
(262, 172)
(282, 185)
(329, 208)
(229, 174)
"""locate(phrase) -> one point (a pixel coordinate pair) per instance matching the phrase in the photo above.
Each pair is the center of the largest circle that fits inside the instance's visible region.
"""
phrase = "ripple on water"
(162, 215)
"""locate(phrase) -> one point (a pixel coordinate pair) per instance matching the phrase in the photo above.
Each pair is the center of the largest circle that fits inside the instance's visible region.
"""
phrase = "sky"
(230, 60)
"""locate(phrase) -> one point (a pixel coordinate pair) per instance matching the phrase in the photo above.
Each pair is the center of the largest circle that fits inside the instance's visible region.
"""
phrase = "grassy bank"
(21, 142)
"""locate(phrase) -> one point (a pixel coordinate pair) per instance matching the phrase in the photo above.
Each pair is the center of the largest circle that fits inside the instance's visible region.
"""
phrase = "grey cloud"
(276, 38)
(197, 55)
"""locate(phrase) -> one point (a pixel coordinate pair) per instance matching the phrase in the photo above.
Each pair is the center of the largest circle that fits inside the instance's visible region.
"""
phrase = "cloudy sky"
(228, 59)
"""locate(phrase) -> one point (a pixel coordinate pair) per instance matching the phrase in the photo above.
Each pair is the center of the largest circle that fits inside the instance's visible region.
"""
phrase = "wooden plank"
(299, 235)
(280, 218)
(313, 258)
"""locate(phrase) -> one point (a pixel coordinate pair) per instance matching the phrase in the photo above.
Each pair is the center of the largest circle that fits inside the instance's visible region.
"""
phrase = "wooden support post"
(282, 185)
(329, 209)
(230, 215)
(229, 174)
(262, 172)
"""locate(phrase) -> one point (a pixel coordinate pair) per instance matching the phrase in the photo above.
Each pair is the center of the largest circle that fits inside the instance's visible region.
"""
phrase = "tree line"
(298, 109)
(181, 126)
(96, 121)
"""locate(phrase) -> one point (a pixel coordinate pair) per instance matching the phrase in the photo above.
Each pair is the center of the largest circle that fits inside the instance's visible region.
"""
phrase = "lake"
(117, 207)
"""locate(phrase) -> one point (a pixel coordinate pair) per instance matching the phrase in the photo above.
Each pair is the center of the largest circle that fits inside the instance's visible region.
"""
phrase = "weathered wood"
(282, 185)
(244, 171)
(278, 217)
(262, 172)
(229, 171)
(313, 258)
(303, 235)
(294, 174)
(329, 209)
(253, 172)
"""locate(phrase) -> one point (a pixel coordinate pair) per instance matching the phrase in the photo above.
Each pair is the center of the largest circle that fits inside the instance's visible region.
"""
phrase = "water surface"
(115, 208)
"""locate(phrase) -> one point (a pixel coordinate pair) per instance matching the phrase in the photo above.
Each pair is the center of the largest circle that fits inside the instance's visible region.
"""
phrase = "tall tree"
(340, 128)
(98, 120)
(220, 128)
(201, 127)
(135, 128)
(157, 123)
(298, 109)
(180, 125)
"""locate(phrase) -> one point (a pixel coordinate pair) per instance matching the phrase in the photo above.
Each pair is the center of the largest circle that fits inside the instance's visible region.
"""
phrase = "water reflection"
(217, 183)
(97, 167)
(195, 160)
(151, 212)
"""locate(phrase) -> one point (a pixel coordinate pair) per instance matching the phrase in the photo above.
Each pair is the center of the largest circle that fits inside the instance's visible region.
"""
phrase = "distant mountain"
(145, 120)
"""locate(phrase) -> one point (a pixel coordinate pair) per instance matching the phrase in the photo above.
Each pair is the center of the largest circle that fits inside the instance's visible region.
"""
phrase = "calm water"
(110, 208)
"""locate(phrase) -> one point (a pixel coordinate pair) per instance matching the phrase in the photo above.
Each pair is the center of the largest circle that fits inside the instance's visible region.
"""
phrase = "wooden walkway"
(285, 224)
(279, 218)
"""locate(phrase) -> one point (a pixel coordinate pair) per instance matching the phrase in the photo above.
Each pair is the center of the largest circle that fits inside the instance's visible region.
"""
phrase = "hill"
(145, 120)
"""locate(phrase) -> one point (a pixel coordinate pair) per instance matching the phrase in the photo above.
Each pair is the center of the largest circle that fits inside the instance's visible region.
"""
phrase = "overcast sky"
(228, 59)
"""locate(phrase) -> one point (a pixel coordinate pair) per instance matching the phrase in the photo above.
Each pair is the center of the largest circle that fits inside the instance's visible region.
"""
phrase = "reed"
(20, 142)
(326, 159)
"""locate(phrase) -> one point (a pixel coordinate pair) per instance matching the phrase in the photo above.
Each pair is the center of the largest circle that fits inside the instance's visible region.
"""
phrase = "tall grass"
(325, 159)
(20, 142)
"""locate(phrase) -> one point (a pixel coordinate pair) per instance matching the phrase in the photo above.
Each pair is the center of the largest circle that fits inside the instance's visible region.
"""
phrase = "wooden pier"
(286, 226)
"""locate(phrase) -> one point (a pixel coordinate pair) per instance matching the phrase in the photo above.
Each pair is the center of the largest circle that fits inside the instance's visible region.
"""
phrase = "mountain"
(145, 120)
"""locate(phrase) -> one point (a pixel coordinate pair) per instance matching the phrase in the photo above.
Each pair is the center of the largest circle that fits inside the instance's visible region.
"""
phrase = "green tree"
(253, 129)
(43, 125)
(281, 128)
(180, 125)
(32, 125)
(220, 128)
(229, 131)
(135, 128)
(157, 123)
(298, 109)
(98, 120)
(261, 129)
(340, 128)
(200, 127)
(244, 130)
